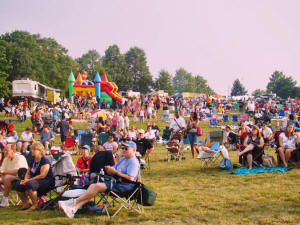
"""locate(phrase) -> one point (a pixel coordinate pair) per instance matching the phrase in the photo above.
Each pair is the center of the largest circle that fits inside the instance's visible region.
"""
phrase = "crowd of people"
(127, 148)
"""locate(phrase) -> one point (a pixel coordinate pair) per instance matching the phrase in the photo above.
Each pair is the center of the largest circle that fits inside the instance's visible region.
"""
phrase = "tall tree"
(89, 62)
(183, 81)
(258, 92)
(139, 72)
(164, 82)
(5, 65)
(116, 68)
(201, 86)
(238, 88)
(281, 85)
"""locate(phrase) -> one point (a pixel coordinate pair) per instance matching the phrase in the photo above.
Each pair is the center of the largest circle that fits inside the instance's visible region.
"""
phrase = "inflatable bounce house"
(100, 88)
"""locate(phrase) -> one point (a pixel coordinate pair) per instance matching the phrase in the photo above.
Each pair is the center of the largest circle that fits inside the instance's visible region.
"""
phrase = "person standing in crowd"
(192, 126)
(63, 126)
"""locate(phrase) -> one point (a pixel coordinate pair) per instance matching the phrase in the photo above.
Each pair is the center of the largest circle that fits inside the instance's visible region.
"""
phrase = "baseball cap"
(130, 144)
(86, 147)
(141, 131)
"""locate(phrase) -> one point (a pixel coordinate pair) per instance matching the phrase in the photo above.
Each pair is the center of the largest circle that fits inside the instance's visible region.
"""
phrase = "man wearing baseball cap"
(128, 167)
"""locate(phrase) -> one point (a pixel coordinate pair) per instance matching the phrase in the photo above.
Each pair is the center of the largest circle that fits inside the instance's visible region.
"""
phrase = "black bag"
(148, 196)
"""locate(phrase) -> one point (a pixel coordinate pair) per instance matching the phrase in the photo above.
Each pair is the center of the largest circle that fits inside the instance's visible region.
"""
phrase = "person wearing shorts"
(128, 168)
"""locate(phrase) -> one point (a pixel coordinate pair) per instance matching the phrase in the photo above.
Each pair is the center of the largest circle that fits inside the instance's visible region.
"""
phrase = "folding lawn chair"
(281, 113)
(102, 138)
(244, 118)
(131, 200)
(225, 118)
(80, 132)
(211, 157)
(213, 122)
(70, 143)
(235, 118)
(86, 139)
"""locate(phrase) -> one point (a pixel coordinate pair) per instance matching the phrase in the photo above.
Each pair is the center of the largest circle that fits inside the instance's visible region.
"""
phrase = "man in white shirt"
(26, 139)
(251, 107)
(178, 123)
(8, 172)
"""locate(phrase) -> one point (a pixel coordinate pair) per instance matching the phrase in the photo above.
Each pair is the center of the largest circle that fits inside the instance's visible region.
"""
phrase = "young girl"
(142, 115)
(134, 117)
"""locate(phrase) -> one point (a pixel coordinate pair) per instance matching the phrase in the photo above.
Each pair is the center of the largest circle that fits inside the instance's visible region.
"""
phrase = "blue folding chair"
(281, 113)
(213, 122)
(235, 118)
(225, 118)
(80, 132)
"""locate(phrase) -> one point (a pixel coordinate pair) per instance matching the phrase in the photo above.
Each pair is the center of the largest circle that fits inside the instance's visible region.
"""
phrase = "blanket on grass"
(245, 171)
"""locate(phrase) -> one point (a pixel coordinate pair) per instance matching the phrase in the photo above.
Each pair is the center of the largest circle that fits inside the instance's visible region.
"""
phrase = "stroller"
(38, 123)
(65, 175)
(175, 146)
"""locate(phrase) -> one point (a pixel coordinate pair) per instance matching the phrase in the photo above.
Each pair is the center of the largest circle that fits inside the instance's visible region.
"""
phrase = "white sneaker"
(68, 207)
(4, 202)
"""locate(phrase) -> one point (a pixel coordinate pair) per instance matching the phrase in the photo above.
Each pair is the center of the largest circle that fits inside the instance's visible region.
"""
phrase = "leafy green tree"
(237, 88)
(164, 82)
(89, 62)
(138, 70)
(296, 92)
(5, 85)
(201, 86)
(116, 68)
(281, 85)
(40, 59)
(183, 81)
(258, 92)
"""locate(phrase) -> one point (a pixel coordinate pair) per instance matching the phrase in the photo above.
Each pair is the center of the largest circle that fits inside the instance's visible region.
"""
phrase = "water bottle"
(102, 175)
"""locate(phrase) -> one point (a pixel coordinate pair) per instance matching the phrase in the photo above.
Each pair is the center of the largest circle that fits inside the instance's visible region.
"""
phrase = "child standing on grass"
(134, 117)
(142, 115)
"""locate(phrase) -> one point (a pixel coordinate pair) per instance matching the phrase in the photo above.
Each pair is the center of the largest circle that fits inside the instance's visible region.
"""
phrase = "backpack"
(226, 164)
(148, 196)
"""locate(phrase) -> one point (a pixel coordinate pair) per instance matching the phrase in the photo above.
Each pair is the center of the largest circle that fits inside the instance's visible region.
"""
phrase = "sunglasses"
(125, 148)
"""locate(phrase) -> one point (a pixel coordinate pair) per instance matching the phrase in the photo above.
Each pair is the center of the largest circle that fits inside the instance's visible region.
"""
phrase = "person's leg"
(250, 160)
(282, 156)
(90, 193)
(46, 144)
(7, 179)
(34, 199)
(288, 153)
(249, 147)
(24, 147)
(24, 199)
(19, 146)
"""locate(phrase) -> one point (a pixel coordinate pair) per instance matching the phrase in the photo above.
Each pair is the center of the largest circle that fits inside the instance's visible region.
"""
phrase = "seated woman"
(254, 145)
(132, 134)
(287, 143)
(38, 179)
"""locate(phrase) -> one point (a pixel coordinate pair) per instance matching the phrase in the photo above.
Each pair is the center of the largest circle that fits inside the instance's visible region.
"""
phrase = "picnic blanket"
(245, 171)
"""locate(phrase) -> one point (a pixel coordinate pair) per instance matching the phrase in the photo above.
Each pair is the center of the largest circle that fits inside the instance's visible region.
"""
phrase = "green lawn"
(187, 194)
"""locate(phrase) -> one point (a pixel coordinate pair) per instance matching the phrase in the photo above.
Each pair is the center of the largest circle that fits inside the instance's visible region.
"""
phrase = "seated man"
(84, 162)
(11, 164)
(232, 138)
(26, 140)
(267, 133)
(46, 137)
(144, 146)
(128, 168)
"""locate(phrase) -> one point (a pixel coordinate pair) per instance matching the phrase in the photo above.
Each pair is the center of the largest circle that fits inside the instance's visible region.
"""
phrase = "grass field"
(187, 194)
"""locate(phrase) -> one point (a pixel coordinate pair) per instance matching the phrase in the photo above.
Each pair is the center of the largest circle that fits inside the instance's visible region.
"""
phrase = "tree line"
(280, 84)
(25, 55)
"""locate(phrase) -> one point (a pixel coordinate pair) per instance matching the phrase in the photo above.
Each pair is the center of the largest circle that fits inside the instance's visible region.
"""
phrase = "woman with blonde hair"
(287, 143)
(38, 178)
(254, 145)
